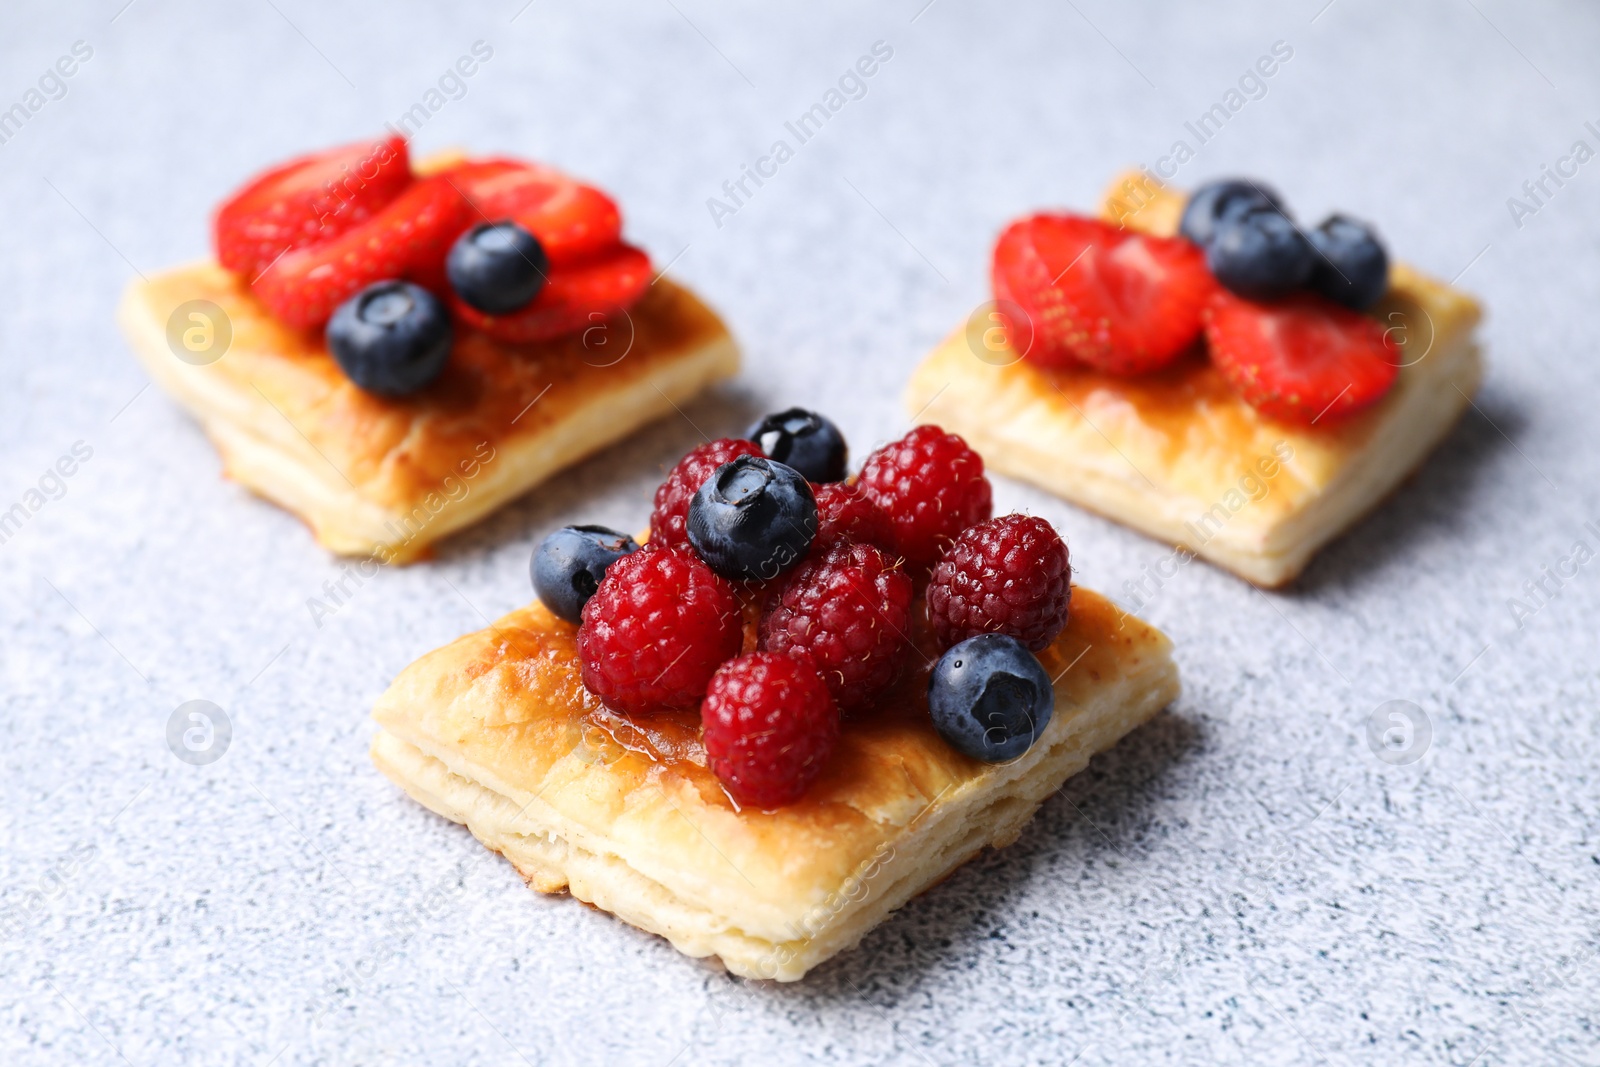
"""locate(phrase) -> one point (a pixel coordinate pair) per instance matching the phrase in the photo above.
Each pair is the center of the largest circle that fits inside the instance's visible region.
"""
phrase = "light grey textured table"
(1243, 880)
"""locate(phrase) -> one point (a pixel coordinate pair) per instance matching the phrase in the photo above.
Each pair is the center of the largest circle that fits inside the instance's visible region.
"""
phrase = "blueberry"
(805, 441)
(568, 565)
(391, 338)
(990, 698)
(1352, 267)
(1260, 254)
(1222, 199)
(753, 519)
(497, 267)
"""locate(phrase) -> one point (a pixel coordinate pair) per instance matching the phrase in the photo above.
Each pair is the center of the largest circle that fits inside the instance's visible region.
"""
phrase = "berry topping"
(1352, 267)
(573, 222)
(805, 441)
(568, 565)
(753, 519)
(670, 519)
(850, 611)
(1302, 360)
(1009, 575)
(769, 728)
(1118, 301)
(410, 236)
(391, 338)
(846, 513)
(497, 267)
(931, 486)
(1218, 200)
(990, 698)
(574, 297)
(655, 631)
(1259, 254)
(308, 200)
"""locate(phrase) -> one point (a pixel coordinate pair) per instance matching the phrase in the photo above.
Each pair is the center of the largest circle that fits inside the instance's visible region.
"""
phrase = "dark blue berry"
(391, 338)
(497, 267)
(753, 519)
(1215, 201)
(990, 698)
(568, 565)
(805, 441)
(1351, 267)
(1260, 255)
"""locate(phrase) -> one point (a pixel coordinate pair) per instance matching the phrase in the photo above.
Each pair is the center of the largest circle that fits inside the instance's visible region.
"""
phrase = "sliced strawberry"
(1303, 359)
(573, 221)
(408, 238)
(307, 200)
(1119, 301)
(574, 298)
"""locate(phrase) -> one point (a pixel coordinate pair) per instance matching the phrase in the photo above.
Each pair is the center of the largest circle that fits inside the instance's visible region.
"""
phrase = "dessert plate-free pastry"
(802, 701)
(393, 351)
(1204, 370)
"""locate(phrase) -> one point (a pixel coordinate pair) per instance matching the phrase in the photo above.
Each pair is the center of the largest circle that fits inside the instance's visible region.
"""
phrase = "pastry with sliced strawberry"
(392, 349)
(1206, 369)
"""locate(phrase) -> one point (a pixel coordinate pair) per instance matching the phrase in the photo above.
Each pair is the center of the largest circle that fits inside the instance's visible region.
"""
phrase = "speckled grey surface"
(1241, 881)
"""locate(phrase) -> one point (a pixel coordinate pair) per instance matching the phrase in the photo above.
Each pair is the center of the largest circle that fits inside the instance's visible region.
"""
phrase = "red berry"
(1116, 300)
(849, 610)
(931, 485)
(769, 727)
(656, 630)
(670, 518)
(308, 200)
(1303, 359)
(574, 297)
(1009, 575)
(846, 513)
(409, 237)
(574, 222)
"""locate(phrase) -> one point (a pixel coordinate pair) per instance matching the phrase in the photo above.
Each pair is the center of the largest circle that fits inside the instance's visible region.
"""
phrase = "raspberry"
(1008, 575)
(769, 727)
(931, 485)
(849, 610)
(656, 630)
(669, 521)
(844, 513)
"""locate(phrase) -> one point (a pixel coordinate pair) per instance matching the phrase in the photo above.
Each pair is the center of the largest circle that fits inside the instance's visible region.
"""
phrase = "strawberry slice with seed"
(409, 238)
(575, 297)
(308, 200)
(1119, 301)
(573, 221)
(1304, 359)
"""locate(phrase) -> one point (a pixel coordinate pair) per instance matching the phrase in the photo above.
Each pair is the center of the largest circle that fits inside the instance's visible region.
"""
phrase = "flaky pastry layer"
(497, 732)
(1178, 454)
(388, 477)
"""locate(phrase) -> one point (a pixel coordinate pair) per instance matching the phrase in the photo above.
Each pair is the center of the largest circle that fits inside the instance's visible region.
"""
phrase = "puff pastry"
(496, 731)
(1180, 456)
(388, 477)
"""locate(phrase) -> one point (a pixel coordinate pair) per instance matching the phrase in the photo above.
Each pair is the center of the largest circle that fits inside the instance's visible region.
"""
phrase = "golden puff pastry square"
(1178, 454)
(387, 477)
(496, 731)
